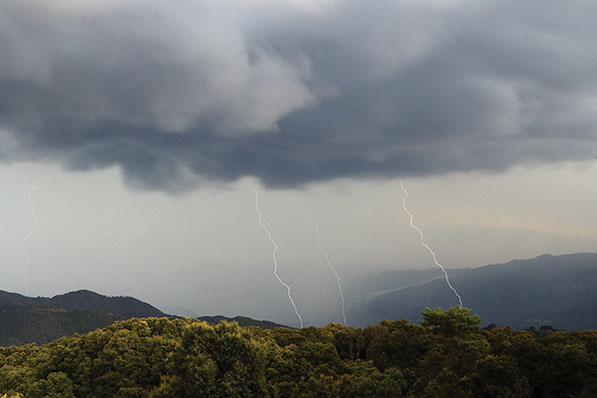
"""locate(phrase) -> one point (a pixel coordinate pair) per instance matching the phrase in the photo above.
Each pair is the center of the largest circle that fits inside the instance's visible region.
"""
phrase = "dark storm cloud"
(296, 91)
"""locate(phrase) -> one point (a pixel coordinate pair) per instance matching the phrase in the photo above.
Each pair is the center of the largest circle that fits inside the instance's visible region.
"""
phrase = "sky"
(133, 135)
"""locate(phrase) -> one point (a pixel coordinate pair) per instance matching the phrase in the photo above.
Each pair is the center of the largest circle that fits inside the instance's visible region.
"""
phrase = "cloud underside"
(294, 92)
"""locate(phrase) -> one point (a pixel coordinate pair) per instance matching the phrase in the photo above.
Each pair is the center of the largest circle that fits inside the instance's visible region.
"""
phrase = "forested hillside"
(22, 323)
(128, 307)
(40, 320)
(447, 355)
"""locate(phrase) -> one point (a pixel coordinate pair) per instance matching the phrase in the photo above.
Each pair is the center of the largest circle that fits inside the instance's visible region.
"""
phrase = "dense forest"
(447, 355)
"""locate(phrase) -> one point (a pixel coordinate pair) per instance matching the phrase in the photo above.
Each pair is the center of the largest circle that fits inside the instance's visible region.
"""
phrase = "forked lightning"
(27, 259)
(413, 226)
(327, 258)
(269, 236)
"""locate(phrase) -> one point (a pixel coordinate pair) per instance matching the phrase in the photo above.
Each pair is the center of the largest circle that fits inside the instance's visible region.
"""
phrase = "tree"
(455, 321)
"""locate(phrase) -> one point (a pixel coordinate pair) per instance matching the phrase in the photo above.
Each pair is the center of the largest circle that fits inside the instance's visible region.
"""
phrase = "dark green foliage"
(456, 321)
(448, 355)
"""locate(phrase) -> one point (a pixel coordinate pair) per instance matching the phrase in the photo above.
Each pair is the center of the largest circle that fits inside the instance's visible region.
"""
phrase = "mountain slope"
(41, 320)
(556, 290)
(23, 323)
(88, 300)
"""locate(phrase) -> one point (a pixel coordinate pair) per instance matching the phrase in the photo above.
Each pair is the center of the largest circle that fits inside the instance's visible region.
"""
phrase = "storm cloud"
(179, 94)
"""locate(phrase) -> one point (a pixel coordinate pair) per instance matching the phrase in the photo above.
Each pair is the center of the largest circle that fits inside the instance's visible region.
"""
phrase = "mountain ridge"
(25, 320)
(559, 291)
(520, 293)
(84, 299)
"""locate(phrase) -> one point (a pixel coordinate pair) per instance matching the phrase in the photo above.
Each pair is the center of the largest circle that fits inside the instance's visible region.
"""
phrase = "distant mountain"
(87, 300)
(177, 310)
(241, 320)
(386, 282)
(23, 323)
(8, 297)
(548, 290)
(40, 320)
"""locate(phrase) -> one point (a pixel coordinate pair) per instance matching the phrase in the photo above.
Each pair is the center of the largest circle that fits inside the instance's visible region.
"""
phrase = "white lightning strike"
(413, 226)
(30, 233)
(269, 235)
(327, 258)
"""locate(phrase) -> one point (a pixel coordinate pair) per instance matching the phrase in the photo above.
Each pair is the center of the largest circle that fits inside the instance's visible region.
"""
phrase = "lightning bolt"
(271, 239)
(413, 226)
(327, 258)
(30, 233)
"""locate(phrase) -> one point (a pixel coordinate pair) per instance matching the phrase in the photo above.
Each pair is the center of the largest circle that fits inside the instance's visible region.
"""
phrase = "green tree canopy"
(451, 322)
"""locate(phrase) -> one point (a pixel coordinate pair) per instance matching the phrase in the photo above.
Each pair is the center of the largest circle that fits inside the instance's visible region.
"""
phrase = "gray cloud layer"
(291, 92)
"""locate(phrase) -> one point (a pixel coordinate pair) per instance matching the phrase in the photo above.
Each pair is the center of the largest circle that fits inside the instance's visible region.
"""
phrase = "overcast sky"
(151, 123)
